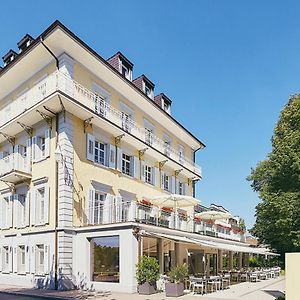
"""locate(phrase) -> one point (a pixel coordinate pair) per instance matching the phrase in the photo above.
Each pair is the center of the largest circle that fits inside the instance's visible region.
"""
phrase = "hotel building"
(82, 146)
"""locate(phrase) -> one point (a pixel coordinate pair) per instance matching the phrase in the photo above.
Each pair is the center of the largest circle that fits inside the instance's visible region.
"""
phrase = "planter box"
(174, 289)
(147, 288)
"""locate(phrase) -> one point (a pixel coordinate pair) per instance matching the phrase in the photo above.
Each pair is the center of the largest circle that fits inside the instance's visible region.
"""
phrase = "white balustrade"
(58, 81)
(14, 162)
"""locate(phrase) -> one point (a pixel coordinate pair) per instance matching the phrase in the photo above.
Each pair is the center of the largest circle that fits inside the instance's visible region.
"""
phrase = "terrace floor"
(264, 290)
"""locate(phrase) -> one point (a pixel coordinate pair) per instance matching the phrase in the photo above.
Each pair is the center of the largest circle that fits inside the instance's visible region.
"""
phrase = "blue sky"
(229, 67)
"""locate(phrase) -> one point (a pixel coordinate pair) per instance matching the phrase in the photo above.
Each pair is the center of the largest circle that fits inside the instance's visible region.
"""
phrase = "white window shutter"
(17, 158)
(46, 206)
(177, 186)
(142, 170)
(118, 207)
(172, 190)
(119, 160)
(46, 259)
(90, 147)
(10, 259)
(16, 208)
(32, 259)
(15, 259)
(27, 259)
(47, 142)
(132, 211)
(90, 206)
(111, 156)
(155, 176)
(27, 208)
(10, 212)
(35, 149)
(136, 167)
(28, 145)
(107, 209)
(162, 179)
(33, 206)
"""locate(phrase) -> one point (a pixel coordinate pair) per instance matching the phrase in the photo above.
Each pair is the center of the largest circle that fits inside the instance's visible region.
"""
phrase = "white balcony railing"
(14, 162)
(118, 212)
(58, 81)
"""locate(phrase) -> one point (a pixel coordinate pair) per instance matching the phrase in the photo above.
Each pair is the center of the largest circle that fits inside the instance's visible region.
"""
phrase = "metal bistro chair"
(199, 283)
(225, 281)
(214, 282)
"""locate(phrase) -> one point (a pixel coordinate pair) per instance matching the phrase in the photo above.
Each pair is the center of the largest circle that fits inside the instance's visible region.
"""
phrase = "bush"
(178, 273)
(147, 270)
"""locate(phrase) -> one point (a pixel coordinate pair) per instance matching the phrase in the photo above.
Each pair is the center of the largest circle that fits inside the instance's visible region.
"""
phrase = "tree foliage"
(147, 270)
(277, 182)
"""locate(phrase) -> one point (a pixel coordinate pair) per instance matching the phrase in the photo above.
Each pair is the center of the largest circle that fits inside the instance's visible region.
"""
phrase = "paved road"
(13, 297)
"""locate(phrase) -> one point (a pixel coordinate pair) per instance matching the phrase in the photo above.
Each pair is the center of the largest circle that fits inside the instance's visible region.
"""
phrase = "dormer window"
(163, 102)
(126, 72)
(122, 65)
(148, 91)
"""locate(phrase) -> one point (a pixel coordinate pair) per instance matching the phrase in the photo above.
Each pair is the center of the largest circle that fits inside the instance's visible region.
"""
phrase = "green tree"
(277, 182)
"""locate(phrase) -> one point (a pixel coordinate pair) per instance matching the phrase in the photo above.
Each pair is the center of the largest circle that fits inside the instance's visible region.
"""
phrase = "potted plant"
(147, 272)
(177, 275)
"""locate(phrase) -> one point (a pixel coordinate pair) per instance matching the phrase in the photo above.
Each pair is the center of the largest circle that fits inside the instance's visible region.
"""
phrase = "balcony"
(58, 82)
(145, 213)
(15, 168)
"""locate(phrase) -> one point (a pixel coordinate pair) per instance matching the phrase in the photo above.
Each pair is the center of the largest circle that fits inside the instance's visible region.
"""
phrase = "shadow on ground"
(273, 293)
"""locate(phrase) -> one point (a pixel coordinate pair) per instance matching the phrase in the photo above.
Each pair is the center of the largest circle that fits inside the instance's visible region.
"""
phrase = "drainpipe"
(56, 182)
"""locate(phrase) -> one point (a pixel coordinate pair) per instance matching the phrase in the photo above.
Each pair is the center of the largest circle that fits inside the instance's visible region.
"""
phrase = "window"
(106, 259)
(149, 136)
(40, 205)
(98, 207)
(148, 91)
(40, 259)
(126, 164)
(100, 105)
(181, 188)
(181, 153)
(5, 258)
(126, 121)
(6, 211)
(148, 174)
(126, 72)
(41, 146)
(99, 153)
(167, 107)
(167, 147)
(21, 259)
(166, 182)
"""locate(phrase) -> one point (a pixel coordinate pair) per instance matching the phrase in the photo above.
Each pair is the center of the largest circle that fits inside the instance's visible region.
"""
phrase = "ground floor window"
(40, 259)
(21, 259)
(5, 258)
(106, 259)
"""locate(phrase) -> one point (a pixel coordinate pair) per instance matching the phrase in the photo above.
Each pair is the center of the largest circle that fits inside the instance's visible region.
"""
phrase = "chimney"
(164, 102)
(145, 85)
(25, 42)
(122, 64)
(9, 57)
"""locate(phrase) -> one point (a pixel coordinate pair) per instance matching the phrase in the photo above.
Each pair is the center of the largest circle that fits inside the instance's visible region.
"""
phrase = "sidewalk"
(264, 290)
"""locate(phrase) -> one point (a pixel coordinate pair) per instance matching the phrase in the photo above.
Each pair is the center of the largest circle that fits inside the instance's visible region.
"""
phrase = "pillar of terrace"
(240, 261)
(207, 269)
(230, 260)
(220, 260)
(160, 255)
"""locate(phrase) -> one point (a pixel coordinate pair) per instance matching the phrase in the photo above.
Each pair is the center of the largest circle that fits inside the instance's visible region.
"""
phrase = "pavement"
(263, 290)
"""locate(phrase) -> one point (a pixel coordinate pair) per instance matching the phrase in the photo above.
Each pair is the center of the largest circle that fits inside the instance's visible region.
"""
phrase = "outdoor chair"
(243, 277)
(253, 277)
(235, 276)
(225, 281)
(199, 283)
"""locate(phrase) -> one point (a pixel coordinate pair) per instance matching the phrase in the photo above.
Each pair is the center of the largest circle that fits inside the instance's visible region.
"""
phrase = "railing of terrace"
(14, 162)
(58, 81)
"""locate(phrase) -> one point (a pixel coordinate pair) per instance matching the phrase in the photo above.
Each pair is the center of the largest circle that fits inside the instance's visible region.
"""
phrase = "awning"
(212, 244)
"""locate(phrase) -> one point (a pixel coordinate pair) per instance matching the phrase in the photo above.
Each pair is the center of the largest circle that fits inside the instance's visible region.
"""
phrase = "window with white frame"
(181, 153)
(100, 153)
(41, 146)
(181, 188)
(40, 259)
(167, 145)
(5, 259)
(166, 182)
(40, 205)
(149, 132)
(21, 259)
(126, 72)
(148, 91)
(101, 99)
(126, 121)
(148, 174)
(98, 207)
(126, 164)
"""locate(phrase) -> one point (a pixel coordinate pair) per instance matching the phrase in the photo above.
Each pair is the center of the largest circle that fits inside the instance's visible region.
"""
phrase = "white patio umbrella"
(173, 201)
(213, 215)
